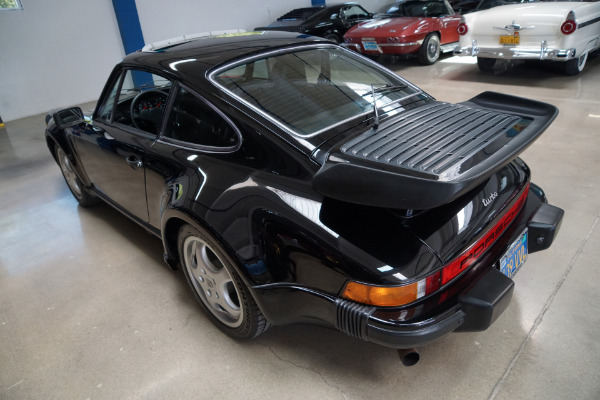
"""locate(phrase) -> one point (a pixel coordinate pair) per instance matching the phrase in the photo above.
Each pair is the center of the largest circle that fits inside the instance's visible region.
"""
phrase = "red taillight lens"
(569, 26)
(462, 28)
(473, 253)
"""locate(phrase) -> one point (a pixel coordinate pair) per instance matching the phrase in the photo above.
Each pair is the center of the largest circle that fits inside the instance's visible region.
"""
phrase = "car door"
(115, 146)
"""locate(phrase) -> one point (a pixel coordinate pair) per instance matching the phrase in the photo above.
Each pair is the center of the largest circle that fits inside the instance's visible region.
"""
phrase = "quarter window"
(193, 121)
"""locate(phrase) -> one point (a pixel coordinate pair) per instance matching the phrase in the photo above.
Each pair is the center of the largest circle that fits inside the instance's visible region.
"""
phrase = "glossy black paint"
(327, 22)
(294, 247)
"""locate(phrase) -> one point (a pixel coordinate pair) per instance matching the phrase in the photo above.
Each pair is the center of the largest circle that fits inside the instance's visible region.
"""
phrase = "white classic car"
(564, 31)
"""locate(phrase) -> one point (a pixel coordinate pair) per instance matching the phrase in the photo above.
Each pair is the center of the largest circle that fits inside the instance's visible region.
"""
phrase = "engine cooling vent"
(352, 318)
(434, 138)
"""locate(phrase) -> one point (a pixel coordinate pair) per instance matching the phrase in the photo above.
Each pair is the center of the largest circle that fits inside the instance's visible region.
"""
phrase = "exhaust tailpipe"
(409, 357)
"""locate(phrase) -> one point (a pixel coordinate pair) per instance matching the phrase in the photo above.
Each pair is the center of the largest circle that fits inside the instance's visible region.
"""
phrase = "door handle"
(102, 132)
(134, 162)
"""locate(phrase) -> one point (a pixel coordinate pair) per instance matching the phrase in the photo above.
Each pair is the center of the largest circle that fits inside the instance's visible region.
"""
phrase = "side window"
(140, 98)
(193, 121)
(355, 12)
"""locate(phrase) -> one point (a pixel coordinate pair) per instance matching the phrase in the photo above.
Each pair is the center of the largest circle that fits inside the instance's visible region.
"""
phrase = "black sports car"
(294, 181)
(330, 22)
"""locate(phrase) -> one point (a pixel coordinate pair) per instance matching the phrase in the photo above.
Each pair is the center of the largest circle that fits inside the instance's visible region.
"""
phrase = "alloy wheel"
(212, 282)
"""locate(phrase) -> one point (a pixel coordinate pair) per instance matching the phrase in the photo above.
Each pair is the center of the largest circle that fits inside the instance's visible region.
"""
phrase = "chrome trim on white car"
(542, 53)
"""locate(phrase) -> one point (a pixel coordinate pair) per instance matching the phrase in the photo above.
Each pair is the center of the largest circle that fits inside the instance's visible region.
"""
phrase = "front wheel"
(429, 52)
(83, 197)
(216, 285)
(575, 65)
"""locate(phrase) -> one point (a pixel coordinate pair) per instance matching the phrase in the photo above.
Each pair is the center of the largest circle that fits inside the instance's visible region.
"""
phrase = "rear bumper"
(484, 295)
(543, 52)
(478, 306)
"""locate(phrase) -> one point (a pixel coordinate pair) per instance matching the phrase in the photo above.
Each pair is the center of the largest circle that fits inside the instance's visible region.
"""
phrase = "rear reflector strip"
(472, 254)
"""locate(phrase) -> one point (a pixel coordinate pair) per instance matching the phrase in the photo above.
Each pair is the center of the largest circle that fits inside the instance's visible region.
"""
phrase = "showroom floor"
(88, 309)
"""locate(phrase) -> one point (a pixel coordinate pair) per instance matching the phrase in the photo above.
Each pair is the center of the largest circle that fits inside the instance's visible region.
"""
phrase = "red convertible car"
(421, 27)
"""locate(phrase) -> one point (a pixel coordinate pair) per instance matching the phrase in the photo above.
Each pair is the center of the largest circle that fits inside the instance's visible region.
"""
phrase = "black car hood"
(432, 155)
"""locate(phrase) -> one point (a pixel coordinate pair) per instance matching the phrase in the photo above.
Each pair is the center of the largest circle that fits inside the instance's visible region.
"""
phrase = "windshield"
(415, 8)
(308, 91)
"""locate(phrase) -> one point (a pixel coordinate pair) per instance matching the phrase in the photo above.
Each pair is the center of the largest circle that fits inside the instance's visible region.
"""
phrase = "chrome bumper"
(543, 53)
(358, 48)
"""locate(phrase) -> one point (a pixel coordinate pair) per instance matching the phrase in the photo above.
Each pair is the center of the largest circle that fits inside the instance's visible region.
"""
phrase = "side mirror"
(68, 117)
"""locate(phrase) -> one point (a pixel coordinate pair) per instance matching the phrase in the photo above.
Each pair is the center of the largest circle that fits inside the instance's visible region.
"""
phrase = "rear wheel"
(575, 66)
(429, 52)
(83, 197)
(486, 64)
(216, 285)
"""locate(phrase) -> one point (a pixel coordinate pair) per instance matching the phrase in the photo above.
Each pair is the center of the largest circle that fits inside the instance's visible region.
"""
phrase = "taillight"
(569, 26)
(472, 254)
(389, 296)
(462, 29)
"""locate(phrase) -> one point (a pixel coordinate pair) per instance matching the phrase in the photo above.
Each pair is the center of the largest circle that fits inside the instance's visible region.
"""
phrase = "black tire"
(333, 37)
(575, 65)
(83, 197)
(222, 294)
(429, 52)
(486, 64)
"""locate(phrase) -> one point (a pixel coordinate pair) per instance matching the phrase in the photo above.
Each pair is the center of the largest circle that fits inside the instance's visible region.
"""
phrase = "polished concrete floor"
(88, 310)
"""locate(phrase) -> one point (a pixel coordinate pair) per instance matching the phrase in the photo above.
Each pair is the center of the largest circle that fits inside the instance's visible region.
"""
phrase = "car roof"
(191, 57)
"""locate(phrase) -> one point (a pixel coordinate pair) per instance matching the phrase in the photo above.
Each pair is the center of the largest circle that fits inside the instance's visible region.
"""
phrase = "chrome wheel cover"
(69, 173)
(433, 49)
(212, 282)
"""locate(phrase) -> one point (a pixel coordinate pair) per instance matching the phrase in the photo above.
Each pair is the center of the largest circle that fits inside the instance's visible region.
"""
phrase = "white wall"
(55, 53)
(181, 17)
(59, 53)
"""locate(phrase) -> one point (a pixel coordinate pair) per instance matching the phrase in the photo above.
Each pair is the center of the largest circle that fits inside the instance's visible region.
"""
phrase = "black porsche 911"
(294, 181)
(329, 22)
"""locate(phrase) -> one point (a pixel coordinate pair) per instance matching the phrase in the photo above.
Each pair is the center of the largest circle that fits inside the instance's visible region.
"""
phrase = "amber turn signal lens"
(381, 295)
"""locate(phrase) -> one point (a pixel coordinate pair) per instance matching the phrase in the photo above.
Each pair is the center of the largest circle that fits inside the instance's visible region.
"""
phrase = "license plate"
(515, 256)
(370, 45)
(509, 39)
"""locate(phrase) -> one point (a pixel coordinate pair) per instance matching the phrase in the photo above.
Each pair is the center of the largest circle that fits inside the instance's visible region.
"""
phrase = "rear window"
(310, 90)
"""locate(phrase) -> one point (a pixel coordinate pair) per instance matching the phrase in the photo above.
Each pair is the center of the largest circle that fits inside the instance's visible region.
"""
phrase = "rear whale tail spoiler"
(429, 156)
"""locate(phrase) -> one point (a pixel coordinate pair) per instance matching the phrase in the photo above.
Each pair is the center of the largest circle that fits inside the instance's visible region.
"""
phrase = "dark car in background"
(295, 181)
(330, 22)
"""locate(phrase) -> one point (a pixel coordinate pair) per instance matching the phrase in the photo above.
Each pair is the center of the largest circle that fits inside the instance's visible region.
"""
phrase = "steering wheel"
(147, 110)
